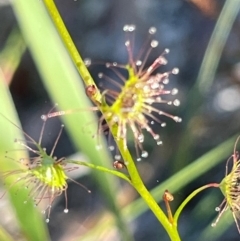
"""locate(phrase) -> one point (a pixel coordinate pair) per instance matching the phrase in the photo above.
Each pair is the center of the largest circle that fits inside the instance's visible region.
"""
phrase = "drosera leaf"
(64, 87)
(44, 175)
(138, 94)
(230, 189)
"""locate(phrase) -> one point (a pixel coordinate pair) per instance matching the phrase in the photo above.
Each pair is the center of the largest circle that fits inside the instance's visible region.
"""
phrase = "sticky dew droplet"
(163, 124)
(154, 43)
(100, 75)
(177, 119)
(174, 91)
(217, 209)
(166, 81)
(139, 159)
(155, 85)
(117, 157)
(44, 117)
(159, 143)
(131, 27)
(152, 30)
(176, 102)
(115, 118)
(162, 60)
(144, 154)
(87, 62)
(166, 51)
(141, 138)
(47, 220)
(65, 210)
(125, 28)
(148, 128)
(127, 43)
(111, 148)
(138, 62)
(175, 71)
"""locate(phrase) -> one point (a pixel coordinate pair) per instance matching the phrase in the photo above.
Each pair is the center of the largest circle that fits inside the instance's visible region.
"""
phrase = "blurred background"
(209, 108)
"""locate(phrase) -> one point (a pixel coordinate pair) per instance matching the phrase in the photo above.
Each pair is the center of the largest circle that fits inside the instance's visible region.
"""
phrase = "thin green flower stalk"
(189, 198)
(139, 90)
(230, 187)
(139, 186)
(72, 50)
(103, 169)
(44, 175)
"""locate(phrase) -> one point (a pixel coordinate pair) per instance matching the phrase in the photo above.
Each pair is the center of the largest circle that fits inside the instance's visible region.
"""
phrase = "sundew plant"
(151, 141)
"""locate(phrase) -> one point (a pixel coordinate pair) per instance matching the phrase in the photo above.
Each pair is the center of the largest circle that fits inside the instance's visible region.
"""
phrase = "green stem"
(137, 183)
(193, 194)
(72, 50)
(100, 168)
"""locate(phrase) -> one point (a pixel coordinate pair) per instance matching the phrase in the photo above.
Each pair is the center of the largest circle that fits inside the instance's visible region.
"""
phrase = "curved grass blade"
(4, 235)
(206, 76)
(33, 227)
(64, 86)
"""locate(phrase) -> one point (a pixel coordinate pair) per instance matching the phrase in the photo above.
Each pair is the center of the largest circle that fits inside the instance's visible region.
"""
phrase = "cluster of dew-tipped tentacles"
(230, 187)
(44, 175)
(131, 104)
